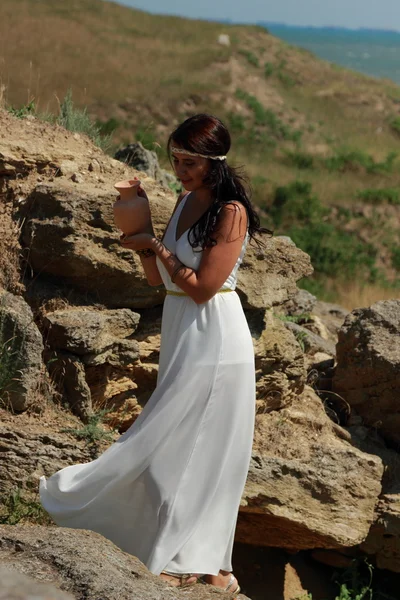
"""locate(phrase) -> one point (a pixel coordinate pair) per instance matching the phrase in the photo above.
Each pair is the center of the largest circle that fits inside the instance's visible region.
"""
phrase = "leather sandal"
(181, 578)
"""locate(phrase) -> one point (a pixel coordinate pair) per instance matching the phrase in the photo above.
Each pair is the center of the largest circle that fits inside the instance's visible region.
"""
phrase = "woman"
(169, 489)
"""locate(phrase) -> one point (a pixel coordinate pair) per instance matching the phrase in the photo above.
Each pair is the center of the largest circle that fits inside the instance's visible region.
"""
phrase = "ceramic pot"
(131, 211)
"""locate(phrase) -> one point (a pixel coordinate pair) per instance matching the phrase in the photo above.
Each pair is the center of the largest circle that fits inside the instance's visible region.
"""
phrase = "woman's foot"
(224, 580)
(179, 579)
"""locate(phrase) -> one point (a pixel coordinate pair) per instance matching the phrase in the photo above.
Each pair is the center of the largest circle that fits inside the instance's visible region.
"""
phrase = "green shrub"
(333, 252)
(236, 122)
(77, 120)
(266, 117)
(395, 125)
(396, 258)
(250, 57)
(356, 160)
(377, 196)
(301, 160)
(23, 111)
(16, 508)
(268, 69)
(295, 202)
(92, 432)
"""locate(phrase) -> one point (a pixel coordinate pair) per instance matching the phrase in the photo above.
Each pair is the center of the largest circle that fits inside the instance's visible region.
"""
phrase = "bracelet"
(175, 273)
(146, 253)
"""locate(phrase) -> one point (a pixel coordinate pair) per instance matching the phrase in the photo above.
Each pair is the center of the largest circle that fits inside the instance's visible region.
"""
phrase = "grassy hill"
(319, 142)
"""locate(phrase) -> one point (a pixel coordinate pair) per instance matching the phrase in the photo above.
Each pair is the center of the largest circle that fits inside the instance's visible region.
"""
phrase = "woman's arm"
(217, 261)
(149, 262)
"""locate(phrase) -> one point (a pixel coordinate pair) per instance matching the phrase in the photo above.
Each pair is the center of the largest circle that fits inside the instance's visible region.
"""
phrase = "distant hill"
(318, 141)
(372, 51)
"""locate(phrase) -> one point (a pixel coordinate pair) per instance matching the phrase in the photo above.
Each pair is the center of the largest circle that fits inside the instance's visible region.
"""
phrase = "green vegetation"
(74, 119)
(380, 195)
(250, 57)
(395, 125)
(334, 252)
(266, 117)
(10, 353)
(301, 160)
(18, 508)
(353, 160)
(92, 432)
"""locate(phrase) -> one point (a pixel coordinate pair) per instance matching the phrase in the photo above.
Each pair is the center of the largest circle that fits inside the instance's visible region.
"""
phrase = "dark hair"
(206, 134)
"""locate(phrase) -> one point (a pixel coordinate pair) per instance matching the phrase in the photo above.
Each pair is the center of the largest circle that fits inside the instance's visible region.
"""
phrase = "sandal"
(232, 580)
(182, 578)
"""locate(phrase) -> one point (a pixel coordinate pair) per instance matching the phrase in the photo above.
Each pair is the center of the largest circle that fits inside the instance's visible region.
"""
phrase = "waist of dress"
(173, 293)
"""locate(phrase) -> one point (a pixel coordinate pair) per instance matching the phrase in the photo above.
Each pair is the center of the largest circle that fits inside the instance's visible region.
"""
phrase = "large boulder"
(21, 348)
(135, 155)
(86, 565)
(97, 336)
(268, 275)
(368, 369)
(308, 486)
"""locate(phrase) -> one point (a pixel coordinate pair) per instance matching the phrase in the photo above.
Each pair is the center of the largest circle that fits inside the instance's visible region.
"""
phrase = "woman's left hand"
(139, 241)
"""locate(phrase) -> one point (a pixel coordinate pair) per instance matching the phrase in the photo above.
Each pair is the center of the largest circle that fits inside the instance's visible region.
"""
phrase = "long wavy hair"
(206, 134)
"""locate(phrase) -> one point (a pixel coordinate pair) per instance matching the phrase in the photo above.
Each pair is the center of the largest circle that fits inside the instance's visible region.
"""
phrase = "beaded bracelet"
(146, 252)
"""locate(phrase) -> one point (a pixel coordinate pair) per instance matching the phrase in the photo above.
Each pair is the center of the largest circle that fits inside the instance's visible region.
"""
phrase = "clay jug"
(131, 211)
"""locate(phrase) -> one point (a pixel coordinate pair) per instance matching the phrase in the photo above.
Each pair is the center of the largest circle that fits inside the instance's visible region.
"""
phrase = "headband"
(183, 151)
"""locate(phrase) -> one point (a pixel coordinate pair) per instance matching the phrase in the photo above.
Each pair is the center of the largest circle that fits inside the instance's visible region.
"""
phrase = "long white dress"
(168, 490)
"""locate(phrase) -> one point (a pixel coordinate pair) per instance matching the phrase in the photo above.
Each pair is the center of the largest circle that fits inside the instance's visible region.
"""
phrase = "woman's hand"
(138, 241)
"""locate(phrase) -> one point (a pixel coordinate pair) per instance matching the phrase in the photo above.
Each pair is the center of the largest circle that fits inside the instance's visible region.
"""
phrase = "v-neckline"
(178, 217)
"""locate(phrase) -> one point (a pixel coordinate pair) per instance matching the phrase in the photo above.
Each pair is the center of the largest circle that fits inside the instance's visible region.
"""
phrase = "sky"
(377, 14)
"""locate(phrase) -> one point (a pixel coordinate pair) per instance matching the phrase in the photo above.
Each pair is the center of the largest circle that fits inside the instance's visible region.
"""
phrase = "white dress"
(168, 490)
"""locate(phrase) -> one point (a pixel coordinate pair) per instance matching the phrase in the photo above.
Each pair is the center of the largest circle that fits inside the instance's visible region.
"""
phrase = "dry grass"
(353, 294)
(9, 251)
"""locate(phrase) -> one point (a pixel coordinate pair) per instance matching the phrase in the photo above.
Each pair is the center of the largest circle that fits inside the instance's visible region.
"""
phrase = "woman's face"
(190, 170)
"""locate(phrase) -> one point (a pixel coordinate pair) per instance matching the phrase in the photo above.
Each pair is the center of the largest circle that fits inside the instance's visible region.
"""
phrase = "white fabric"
(168, 490)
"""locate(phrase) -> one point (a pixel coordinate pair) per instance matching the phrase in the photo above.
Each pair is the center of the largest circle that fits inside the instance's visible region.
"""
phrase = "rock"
(96, 336)
(224, 39)
(135, 155)
(311, 342)
(368, 369)
(86, 565)
(301, 304)
(267, 277)
(76, 229)
(383, 540)
(280, 370)
(17, 586)
(21, 348)
(68, 375)
(307, 486)
(332, 316)
(28, 453)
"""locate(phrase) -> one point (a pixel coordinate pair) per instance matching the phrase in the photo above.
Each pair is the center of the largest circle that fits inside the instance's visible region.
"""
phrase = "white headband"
(183, 151)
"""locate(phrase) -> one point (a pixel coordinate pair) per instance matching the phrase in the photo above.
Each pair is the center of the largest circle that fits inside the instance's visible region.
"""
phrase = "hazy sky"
(348, 13)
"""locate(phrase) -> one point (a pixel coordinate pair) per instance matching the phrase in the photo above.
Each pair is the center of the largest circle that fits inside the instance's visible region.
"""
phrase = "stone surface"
(267, 277)
(135, 155)
(302, 303)
(69, 378)
(368, 369)
(21, 349)
(96, 336)
(311, 342)
(27, 452)
(17, 586)
(280, 369)
(308, 487)
(87, 566)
